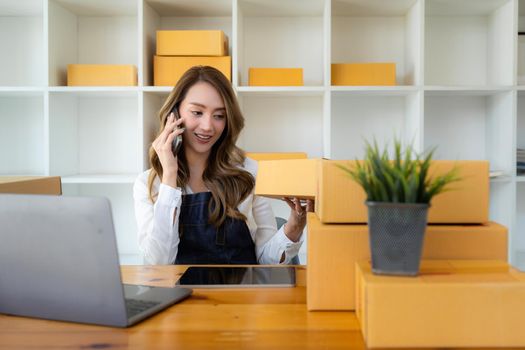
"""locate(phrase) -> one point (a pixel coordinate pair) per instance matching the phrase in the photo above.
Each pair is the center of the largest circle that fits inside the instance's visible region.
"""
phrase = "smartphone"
(177, 142)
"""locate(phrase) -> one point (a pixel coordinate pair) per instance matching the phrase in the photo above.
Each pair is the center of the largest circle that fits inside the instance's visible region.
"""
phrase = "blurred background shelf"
(460, 86)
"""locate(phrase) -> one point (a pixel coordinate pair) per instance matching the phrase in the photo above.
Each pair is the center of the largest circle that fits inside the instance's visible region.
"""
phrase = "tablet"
(238, 277)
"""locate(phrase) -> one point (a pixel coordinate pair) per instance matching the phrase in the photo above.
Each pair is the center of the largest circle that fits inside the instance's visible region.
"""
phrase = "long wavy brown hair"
(228, 183)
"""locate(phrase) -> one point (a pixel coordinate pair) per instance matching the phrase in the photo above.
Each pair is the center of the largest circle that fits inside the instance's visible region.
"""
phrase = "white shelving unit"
(94, 133)
(459, 71)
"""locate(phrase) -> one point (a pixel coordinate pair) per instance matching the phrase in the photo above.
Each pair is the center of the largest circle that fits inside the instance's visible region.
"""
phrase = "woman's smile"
(203, 138)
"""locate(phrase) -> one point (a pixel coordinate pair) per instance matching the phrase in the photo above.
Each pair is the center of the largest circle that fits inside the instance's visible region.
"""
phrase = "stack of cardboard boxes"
(179, 50)
(452, 303)
(464, 270)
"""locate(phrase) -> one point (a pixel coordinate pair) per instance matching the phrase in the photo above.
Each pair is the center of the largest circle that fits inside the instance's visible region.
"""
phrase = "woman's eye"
(219, 116)
(196, 113)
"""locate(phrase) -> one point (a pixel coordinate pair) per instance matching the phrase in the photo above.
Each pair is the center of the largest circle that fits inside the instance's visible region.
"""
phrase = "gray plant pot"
(396, 235)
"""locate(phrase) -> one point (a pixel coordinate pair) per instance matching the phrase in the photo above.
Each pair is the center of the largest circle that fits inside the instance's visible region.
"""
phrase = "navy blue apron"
(203, 243)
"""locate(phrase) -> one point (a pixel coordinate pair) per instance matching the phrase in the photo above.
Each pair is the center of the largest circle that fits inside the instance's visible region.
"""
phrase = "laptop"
(59, 261)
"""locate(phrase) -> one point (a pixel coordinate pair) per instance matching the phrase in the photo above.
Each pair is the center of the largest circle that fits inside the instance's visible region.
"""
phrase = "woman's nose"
(205, 123)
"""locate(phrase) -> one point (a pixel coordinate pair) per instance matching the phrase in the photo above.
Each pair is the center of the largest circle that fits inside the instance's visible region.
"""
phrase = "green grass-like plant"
(403, 179)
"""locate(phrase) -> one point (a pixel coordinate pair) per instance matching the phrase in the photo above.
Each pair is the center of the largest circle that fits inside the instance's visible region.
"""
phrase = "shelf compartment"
(469, 42)
(91, 32)
(374, 31)
(22, 39)
(360, 118)
(121, 199)
(94, 134)
(282, 124)
(181, 15)
(23, 135)
(471, 128)
(281, 34)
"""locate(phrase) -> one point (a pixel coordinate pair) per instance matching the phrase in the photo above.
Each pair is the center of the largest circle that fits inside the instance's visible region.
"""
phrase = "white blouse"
(158, 233)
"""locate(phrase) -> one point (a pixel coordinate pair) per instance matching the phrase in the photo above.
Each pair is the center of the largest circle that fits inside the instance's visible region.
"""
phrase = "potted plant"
(399, 192)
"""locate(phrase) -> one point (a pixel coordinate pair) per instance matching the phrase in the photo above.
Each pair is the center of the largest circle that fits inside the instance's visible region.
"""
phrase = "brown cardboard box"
(341, 200)
(363, 74)
(31, 185)
(192, 43)
(168, 70)
(276, 156)
(450, 304)
(275, 76)
(101, 75)
(333, 250)
(287, 178)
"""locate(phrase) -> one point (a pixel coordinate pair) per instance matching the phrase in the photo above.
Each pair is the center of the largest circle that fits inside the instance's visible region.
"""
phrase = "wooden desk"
(210, 319)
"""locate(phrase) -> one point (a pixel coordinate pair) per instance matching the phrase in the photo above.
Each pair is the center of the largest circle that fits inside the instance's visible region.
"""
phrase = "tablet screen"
(225, 277)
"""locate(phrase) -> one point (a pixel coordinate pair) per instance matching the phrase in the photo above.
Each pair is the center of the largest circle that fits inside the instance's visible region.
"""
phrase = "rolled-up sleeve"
(157, 223)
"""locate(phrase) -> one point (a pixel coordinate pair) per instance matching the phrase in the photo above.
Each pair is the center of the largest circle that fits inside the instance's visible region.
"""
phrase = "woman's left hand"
(297, 220)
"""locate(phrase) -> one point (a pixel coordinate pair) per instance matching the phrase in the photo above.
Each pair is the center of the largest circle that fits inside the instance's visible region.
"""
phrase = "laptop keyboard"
(135, 306)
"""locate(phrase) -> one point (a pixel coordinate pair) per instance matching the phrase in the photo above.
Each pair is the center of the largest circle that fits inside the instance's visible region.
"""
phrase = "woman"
(198, 206)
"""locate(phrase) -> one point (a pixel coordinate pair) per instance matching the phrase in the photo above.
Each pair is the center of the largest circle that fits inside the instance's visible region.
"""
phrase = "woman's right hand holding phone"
(163, 147)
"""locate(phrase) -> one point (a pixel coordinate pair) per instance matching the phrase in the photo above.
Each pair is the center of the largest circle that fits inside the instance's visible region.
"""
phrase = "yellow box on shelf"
(364, 74)
(275, 77)
(287, 178)
(341, 200)
(101, 75)
(168, 70)
(333, 251)
(31, 184)
(450, 304)
(192, 43)
(276, 156)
